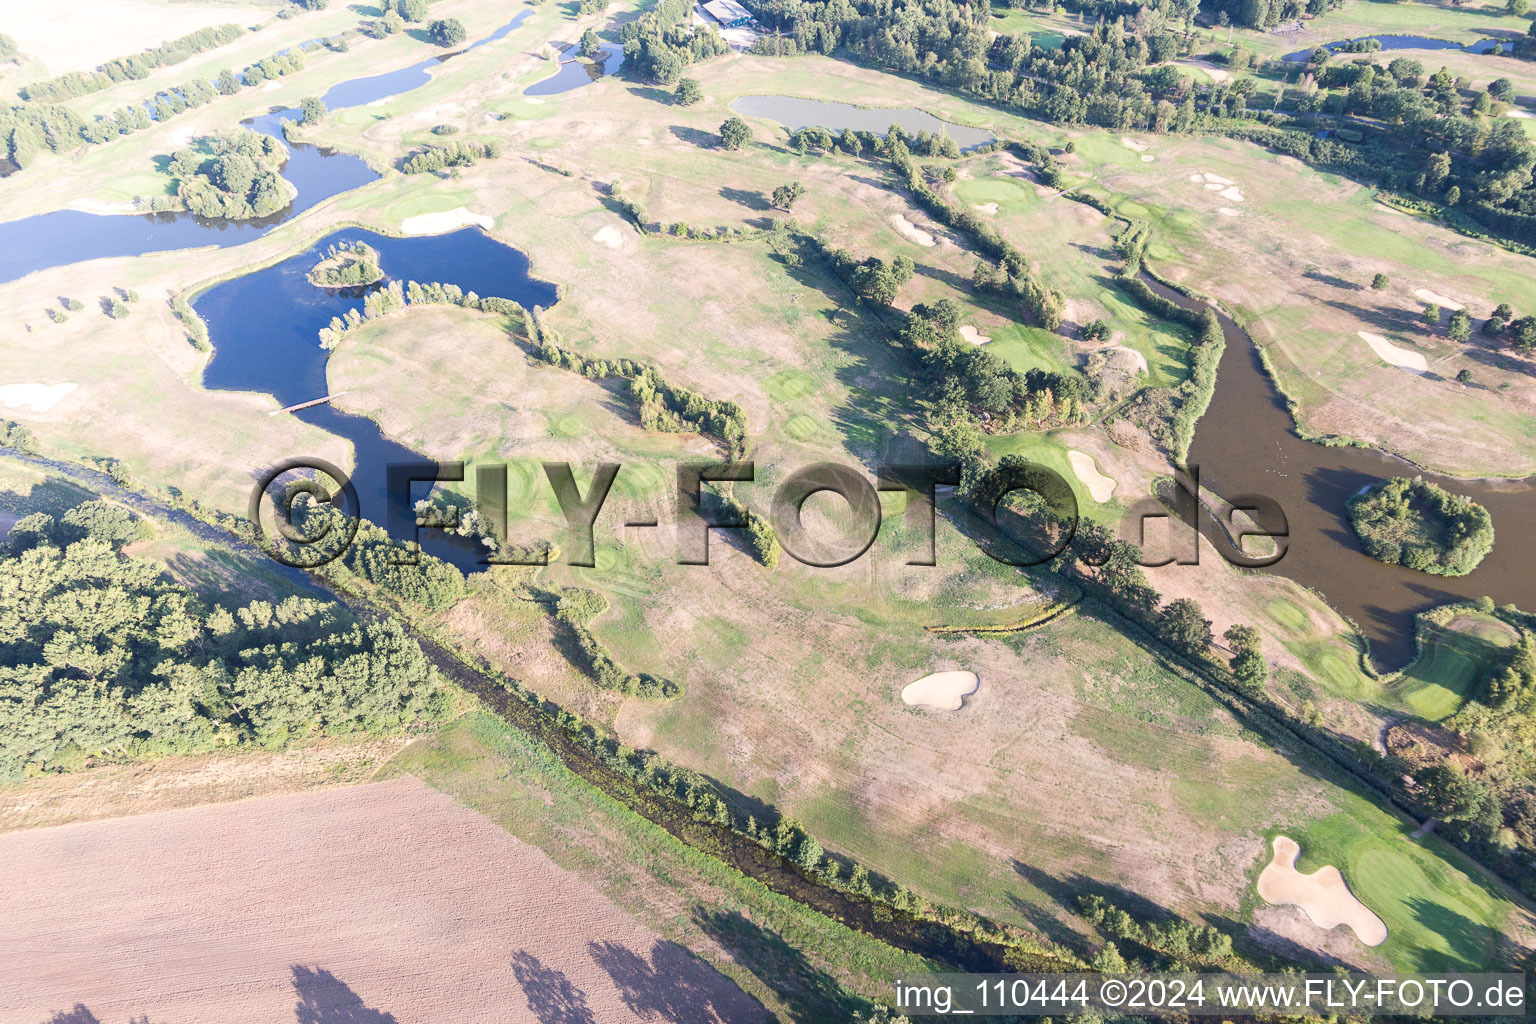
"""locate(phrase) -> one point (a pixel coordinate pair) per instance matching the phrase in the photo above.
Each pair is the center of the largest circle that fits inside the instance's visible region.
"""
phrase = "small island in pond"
(1425, 527)
(346, 266)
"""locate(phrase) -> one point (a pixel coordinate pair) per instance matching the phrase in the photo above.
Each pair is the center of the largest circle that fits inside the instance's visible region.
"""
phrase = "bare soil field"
(385, 902)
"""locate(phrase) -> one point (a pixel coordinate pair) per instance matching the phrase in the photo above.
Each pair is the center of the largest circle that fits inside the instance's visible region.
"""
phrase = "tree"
(785, 195)
(1459, 328)
(1379, 282)
(1519, 8)
(1183, 624)
(1453, 195)
(410, 10)
(734, 133)
(312, 108)
(1248, 665)
(688, 92)
(1431, 315)
(447, 32)
(590, 45)
(228, 84)
(1464, 377)
(1108, 960)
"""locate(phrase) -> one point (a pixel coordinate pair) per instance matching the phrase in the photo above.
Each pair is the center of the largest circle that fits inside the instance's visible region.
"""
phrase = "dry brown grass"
(385, 898)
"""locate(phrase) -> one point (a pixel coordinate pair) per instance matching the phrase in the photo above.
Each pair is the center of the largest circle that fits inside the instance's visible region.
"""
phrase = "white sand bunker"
(942, 691)
(987, 208)
(1323, 895)
(609, 236)
(1147, 158)
(1140, 147)
(1425, 295)
(972, 335)
(534, 100)
(1227, 211)
(1397, 356)
(1233, 193)
(1518, 113)
(1100, 487)
(1136, 357)
(1214, 179)
(912, 231)
(37, 397)
(448, 220)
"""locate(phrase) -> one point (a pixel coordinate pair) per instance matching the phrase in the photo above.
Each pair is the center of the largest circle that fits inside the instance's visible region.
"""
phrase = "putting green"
(788, 385)
(1438, 917)
(801, 427)
(1286, 614)
(1452, 664)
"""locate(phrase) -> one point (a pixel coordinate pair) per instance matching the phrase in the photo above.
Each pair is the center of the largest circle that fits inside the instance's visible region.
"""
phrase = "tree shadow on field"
(326, 999)
(78, 1015)
(650, 92)
(704, 140)
(810, 994)
(746, 197)
(550, 994)
(674, 985)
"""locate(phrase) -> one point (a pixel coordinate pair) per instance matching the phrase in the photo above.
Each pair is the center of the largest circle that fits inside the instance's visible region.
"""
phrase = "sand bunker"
(1217, 179)
(448, 220)
(1233, 193)
(972, 335)
(534, 100)
(1140, 360)
(37, 397)
(1140, 147)
(912, 231)
(609, 236)
(1227, 211)
(1404, 357)
(942, 691)
(987, 208)
(1147, 158)
(1323, 895)
(1100, 487)
(1425, 295)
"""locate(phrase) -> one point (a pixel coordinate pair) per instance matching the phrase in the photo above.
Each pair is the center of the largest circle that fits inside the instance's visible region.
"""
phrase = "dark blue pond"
(73, 236)
(264, 328)
(1389, 42)
(574, 74)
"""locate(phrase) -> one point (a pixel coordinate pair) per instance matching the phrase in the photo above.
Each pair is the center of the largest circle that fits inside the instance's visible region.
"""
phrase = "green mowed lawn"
(1454, 660)
(1439, 917)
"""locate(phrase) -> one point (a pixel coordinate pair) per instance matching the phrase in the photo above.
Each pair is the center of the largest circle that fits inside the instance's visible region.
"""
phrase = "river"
(1247, 444)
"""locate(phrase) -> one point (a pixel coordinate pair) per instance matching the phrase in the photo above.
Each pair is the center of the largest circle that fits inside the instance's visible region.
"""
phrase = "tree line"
(27, 129)
(459, 153)
(80, 83)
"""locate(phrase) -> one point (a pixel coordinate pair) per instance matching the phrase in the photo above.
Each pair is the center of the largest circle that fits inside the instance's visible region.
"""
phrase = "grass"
(1454, 661)
(1440, 914)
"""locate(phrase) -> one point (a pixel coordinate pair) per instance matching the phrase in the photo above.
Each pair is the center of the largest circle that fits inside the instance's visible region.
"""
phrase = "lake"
(1396, 42)
(264, 329)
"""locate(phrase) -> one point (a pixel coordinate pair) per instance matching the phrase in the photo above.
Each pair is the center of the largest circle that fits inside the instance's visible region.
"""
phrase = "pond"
(795, 113)
(73, 236)
(1246, 443)
(264, 328)
(1394, 42)
(575, 73)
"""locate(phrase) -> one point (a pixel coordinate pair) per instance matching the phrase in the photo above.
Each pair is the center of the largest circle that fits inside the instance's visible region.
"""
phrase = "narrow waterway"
(1247, 444)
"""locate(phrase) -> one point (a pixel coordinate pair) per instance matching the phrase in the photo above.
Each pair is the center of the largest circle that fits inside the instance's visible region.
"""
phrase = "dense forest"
(103, 655)
(659, 44)
(1425, 527)
(1418, 139)
(233, 175)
